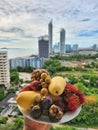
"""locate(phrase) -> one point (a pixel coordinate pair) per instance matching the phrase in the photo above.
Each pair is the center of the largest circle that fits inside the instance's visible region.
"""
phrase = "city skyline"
(22, 22)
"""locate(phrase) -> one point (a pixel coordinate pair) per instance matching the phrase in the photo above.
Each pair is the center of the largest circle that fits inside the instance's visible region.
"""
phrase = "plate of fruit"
(49, 99)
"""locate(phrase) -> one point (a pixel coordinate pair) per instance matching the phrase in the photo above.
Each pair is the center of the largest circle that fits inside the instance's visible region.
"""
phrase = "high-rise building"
(94, 47)
(50, 33)
(56, 48)
(43, 46)
(4, 69)
(62, 41)
(68, 47)
(75, 48)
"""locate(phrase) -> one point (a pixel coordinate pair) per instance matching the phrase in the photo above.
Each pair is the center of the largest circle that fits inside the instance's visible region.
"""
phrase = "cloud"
(90, 33)
(85, 20)
(7, 39)
(22, 22)
(12, 30)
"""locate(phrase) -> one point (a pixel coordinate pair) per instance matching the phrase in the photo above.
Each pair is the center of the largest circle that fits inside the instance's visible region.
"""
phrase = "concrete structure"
(56, 48)
(68, 47)
(4, 69)
(62, 41)
(50, 33)
(43, 47)
(15, 62)
(12, 102)
(94, 47)
(75, 48)
(34, 62)
(84, 52)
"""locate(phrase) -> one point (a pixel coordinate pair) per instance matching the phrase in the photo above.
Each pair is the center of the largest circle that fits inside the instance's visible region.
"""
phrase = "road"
(3, 103)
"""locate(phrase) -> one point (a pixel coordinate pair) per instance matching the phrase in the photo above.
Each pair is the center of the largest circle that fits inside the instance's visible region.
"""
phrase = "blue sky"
(23, 21)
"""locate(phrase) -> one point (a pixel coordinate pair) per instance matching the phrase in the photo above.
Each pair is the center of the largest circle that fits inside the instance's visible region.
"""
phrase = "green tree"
(52, 65)
(28, 69)
(2, 95)
(3, 120)
(93, 80)
(81, 87)
(62, 127)
(72, 79)
(14, 77)
(18, 122)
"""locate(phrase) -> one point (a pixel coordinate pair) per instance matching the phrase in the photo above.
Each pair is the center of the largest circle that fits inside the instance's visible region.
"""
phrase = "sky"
(23, 21)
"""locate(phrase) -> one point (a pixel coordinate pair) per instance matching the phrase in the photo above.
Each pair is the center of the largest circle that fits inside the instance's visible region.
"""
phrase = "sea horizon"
(19, 52)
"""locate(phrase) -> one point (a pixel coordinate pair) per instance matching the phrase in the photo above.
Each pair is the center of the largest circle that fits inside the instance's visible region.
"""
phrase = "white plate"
(45, 119)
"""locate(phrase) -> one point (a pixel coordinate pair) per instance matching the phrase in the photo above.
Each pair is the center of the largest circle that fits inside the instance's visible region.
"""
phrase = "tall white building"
(62, 41)
(4, 69)
(50, 33)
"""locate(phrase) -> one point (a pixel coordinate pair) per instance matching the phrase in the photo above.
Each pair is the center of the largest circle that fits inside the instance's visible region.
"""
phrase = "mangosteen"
(35, 111)
(45, 104)
(55, 113)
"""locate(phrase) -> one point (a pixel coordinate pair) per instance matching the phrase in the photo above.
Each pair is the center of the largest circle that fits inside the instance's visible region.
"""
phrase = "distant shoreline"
(19, 52)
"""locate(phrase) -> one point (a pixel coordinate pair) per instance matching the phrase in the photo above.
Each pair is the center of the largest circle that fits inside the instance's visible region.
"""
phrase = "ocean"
(19, 52)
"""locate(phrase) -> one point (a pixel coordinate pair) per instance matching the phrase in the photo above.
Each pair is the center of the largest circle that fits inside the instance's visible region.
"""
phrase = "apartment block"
(34, 62)
(4, 69)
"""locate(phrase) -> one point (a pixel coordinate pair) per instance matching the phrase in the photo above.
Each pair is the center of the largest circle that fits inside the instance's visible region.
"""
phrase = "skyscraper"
(62, 41)
(94, 47)
(68, 47)
(43, 46)
(50, 33)
(4, 69)
(75, 48)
